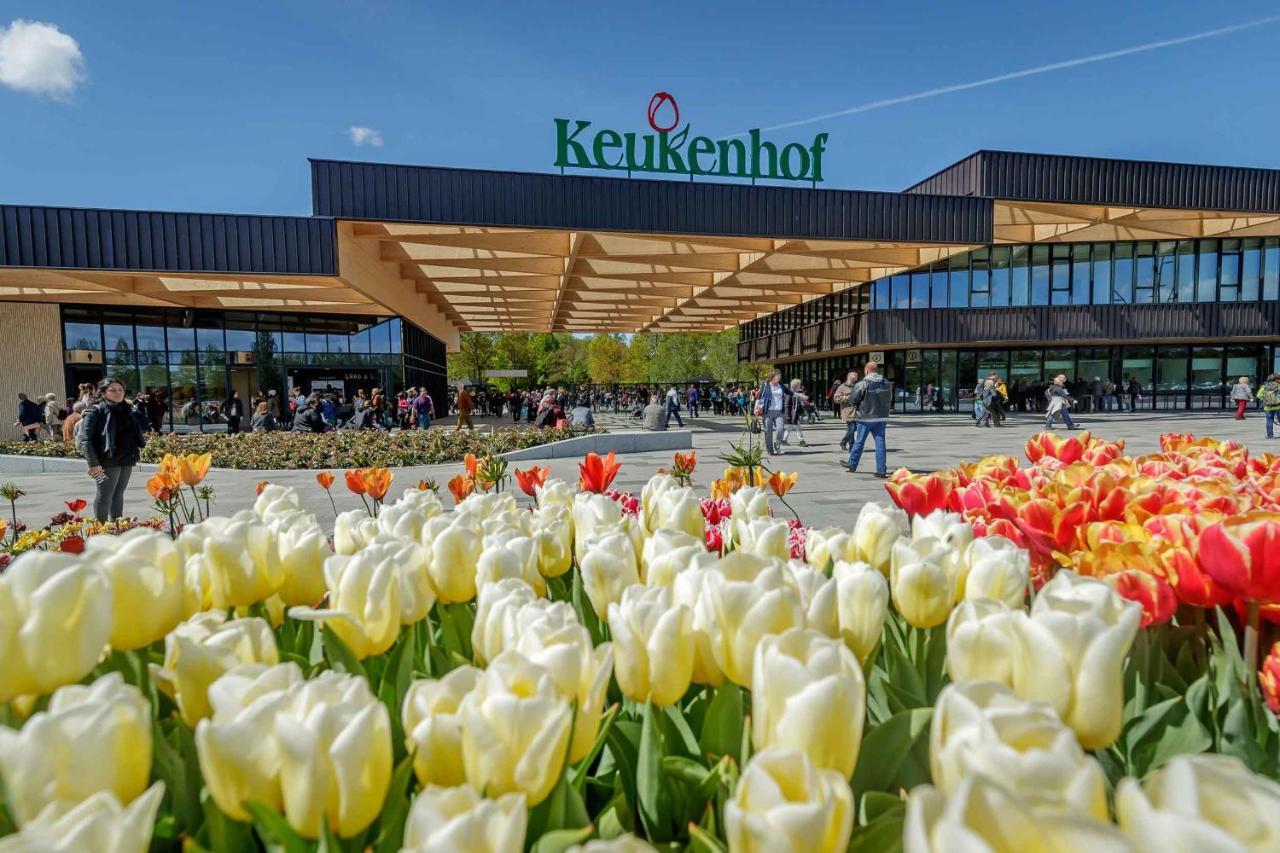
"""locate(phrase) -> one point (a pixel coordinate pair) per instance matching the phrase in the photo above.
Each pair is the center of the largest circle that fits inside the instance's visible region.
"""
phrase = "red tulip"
(1242, 555)
(1269, 679)
(72, 545)
(921, 494)
(77, 505)
(325, 479)
(355, 481)
(530, 480)
(595, 473)
(1151, 591)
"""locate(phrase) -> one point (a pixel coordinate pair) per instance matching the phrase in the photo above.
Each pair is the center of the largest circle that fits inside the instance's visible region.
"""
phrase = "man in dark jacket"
(309, 419)
(872, 399)
(29, 418)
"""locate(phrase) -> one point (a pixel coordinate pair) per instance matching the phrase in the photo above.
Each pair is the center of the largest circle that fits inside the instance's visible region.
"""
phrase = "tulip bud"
(862, 599)
(201, 649)
(553, 539)
(515, 730)
(808, 694)
(983, 728)
(984, 813)
(352, 530)
(92, 738)
(763, 537)
(318, 749)
(997, 568)
(875, 532)
(749, 502)
(497, 606)
(1070, 653)
(455, 550)
(241, 558)
(506, 557)
(653, 645)
(364, 601)
(55, 620)
(922, 588)
(657, 486)
(1200, 802)
(144, 570)
(303, 549)
(433, 729)
(783, 804)
(460, 819)
(555, 640)
(608, 566)
(742, 600)
(980, 641)
(98, 823)
(275, 501)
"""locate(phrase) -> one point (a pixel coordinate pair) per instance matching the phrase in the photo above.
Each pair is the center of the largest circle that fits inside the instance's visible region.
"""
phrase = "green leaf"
(340, 657)
(560, 840)
(685, 769)
(677, 734)
(722, 727)
(221, 832)
(396, 809)
(1161, 732)
(396, 678)
(880, 836)
(562, 809)
(274, 830)
(654, 808)
(934, 667)
(586, 614)
(895, 755)
(704, 842)
(874, 804)
(580, 774)
(904, 678)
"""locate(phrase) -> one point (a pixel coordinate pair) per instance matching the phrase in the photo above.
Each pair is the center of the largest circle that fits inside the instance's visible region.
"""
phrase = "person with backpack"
(987, 396)
(29, 416)
(111, 441)
(872, 397)
(1269, 394)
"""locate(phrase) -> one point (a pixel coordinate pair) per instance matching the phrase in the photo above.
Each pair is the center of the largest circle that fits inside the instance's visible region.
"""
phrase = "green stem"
(332, 504)
(1252, 624)
(195, 499)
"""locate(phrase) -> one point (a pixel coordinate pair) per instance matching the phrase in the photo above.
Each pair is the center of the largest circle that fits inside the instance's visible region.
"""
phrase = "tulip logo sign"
(668, 152)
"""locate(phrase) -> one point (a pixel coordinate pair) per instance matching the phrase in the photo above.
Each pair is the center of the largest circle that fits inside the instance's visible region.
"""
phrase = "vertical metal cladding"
(516, 199)
(72, 238)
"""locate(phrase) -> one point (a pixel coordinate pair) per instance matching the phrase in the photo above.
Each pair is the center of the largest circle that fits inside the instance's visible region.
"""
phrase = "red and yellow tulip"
(596, 473)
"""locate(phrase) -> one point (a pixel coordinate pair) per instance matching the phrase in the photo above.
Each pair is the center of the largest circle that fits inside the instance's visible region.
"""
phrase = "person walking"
(70, 430)
(233, 408)
(50, 414)
(771, 404)
(1269, 396)
(872, 398)
(845, 408)
(1242, 395)
(673, 406)
(111, 442)
(998, 400)
(987, 396)
(691, 396)
(263, 420)
(795, 405)
(1134, 392)
(424, 408)
(465, 406)
(1060, 401)
(29, 415)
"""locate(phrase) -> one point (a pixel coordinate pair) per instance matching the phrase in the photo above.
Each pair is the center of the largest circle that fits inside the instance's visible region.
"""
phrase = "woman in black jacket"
(111, 443)
(233, 408)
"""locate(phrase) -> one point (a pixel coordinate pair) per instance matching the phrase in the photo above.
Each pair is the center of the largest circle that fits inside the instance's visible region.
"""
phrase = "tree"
(639, 360)
(721, 362)
(678, 357)
(475, 355)
(606, 359)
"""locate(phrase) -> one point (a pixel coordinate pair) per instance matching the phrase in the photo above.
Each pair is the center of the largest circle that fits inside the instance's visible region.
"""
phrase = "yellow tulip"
(764, 537)
(983, 728)
(240, 555)
(742, 600)
(552, 531)
(608, 566)
(666, 553)
(145, 571)
(923, 589)
(817, 597)
(877, 529)
(352, 530)
(407, 518)
(509, 556)
(1070, 653)
(515, 730)
(201, 650)
(823, 547)
(1200, 802)
(433, 729)
(653, 645)
(808, 694)
(92, 738)
(99, 823)
(862, 599)
(497, 607)
(303, 548)
(364, 601)
(980, 641)
(455, 550)
(783, 804)
(55, 621)
(996, 568)
(982, 814)
(460, 819)
(318, 750)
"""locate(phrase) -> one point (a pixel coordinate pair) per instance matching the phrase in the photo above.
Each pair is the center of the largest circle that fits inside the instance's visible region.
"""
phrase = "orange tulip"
(426, 485)
(4, 527)
(355, 481)
(471, 464)
(192, 468)
(262, 484)
(1242, 555)
(325, 479)
(460, 487)
(1269, 679)
(595, 473)
(1132, 567)
(686, 462)
(377, 481)
(163, 485)
(782, 483)
(170, 463)
(530, 480)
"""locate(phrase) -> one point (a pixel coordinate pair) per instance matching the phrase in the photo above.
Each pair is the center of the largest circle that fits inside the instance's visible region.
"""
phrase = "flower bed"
(661, 670)
(341, 449)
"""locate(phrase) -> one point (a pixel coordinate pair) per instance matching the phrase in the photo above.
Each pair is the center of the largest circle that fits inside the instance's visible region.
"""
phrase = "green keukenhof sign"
(579, 146)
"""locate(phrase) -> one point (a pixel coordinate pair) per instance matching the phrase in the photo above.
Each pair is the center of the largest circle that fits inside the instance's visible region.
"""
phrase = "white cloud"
(365, 136)
(40, 59)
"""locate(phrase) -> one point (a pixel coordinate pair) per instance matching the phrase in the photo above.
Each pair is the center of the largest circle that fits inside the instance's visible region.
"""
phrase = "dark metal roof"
(1097, 180)
(521, 199)
(75, 238)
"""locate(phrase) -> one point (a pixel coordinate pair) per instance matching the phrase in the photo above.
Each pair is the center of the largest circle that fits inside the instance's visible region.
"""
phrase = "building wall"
(30, 357)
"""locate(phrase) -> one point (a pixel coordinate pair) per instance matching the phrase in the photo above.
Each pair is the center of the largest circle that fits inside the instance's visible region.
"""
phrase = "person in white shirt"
(772, 406)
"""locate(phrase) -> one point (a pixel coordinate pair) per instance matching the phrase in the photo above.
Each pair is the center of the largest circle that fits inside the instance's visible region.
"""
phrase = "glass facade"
(1060, 274)
(1174, 376)
(197, 358)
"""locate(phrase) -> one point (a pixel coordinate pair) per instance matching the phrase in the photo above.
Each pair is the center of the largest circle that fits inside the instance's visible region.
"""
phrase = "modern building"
(1026, 265)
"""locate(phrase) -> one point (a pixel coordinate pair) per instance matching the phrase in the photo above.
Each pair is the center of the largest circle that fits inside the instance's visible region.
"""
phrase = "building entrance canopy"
(453, 250)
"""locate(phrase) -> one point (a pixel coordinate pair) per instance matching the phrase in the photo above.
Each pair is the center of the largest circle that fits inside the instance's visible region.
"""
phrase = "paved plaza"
(825, 495)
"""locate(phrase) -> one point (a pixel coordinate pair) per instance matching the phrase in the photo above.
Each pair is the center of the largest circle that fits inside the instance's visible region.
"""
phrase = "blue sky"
(216, 106)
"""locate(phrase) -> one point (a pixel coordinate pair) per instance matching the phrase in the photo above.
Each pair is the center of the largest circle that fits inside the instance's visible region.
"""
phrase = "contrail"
(1025, 72)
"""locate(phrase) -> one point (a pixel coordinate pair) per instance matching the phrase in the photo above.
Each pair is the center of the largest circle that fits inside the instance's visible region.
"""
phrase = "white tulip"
(653, 645)
(818, 597)
(275, 500)
(608, 566)
(876, 530)
(666, 553)
(556, 492)
(303, 548)
(783, 804)
(99, 823)
(148, 591)
(432, 727)
(592, 515)
(743, 599)
(824, 547)
(509, 557)
(364, 601)
(763, 537)
(657, 486)
(459, 819)
(862, 599)
(202, 649)
(749, 502)
(552, 531)
(352, 530)
(923, 587)
(997, 568)
(980, 641)
(497, 605)
(680, 509)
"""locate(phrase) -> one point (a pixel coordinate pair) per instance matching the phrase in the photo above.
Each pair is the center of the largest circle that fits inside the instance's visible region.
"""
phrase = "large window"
(1122, 275)
(980, 280)
(1060, 278)
(1039, 275)
(1000, 276)
(1102, 274)
(1081, 293)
